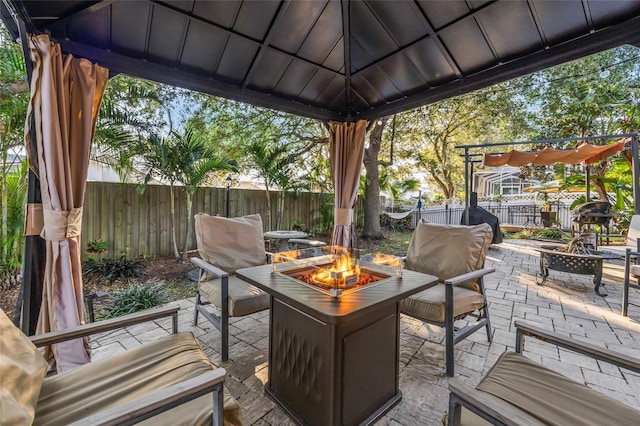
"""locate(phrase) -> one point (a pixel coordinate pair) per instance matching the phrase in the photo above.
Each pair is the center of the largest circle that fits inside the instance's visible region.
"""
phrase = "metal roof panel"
(280, 53)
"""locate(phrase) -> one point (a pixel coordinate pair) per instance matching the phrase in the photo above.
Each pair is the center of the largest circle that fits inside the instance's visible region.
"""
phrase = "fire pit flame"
(342, 270)
(337, 271)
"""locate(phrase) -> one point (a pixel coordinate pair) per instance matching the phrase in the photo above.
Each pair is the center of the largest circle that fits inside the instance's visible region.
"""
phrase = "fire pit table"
(334, 357)
(586, 264)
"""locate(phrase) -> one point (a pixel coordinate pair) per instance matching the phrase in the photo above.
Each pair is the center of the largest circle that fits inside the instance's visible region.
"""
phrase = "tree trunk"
(268, 218)
(187, 238)
(280, 211)
(172, 207)
(372, 186)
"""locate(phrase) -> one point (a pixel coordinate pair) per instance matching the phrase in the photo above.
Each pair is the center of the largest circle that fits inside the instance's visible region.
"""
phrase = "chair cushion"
(244, 299)
(428, 305)
(551, 397)
(447, 251)
(634, 232)
(230, 243)
(120, 378)
(22, 370)
(635, 270)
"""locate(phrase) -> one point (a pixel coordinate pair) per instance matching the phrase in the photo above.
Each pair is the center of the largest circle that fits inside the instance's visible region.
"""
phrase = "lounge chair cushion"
(429, 304)
(22, 370)
(244, 299)
(635, 270)
(86, 390)
(230, 243)
(448, 251)
(551, 397)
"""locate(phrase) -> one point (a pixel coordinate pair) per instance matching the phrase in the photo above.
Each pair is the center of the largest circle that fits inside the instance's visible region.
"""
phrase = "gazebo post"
(635, 171)
(28, 305)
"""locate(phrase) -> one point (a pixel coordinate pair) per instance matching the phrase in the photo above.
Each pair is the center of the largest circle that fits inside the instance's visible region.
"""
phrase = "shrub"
(97, 246)
(135, 298)
(551, 233)
(526, 234)
(113, 270)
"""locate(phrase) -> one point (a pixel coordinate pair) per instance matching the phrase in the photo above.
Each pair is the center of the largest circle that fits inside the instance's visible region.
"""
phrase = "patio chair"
(225, 245)
(518, 391)
(631, 276)
(631, 241)
(455, 254)
(170, 378)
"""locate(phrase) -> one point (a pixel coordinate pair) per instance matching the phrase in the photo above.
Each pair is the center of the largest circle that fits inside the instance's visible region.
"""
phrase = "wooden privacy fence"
(140, 225)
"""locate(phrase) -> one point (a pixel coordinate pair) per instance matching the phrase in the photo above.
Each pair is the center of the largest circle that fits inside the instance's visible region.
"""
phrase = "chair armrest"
(597, 352)
(53, 337)
(159, 401)
(493, 407)
(469, 276)
(208, 267)
(631, 253)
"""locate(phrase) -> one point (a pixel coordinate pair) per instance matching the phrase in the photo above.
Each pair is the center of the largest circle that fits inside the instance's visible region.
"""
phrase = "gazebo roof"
(329, 59)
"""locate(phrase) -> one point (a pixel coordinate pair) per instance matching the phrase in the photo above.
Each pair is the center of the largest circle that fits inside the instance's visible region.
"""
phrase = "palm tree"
(130, 110)
(186, 158)
(270, 162)
(14, 97)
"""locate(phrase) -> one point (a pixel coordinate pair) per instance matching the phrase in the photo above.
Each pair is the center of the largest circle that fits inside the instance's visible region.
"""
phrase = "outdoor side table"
(284, 237)
(586, 264)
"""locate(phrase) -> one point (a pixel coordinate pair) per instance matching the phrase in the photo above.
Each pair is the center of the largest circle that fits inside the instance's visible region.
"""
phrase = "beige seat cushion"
(551, 397)
(447, 251)
(22, 370)
(244, 298)
(230, 243)
(429, 304)
(635, 270)
(71, 396)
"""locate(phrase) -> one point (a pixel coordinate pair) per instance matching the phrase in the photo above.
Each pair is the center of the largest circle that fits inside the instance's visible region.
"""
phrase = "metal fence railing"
(521, 215)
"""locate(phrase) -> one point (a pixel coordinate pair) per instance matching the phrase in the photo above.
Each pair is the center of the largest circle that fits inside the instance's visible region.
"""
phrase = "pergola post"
(466, 185)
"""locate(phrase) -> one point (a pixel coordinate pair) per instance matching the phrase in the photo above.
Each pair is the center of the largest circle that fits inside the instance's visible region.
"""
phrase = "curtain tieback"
(344, 217)
(61, 224)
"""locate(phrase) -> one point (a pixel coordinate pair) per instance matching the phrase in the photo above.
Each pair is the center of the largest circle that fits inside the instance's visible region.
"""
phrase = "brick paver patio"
(566, 304)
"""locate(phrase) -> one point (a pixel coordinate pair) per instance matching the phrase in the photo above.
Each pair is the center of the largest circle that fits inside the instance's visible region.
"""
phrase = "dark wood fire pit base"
(335, 361)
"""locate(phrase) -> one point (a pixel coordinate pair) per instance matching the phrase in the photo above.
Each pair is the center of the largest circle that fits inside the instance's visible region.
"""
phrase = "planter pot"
(548, 219)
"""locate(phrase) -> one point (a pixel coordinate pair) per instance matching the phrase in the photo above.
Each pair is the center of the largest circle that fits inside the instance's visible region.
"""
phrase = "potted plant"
(548, 217)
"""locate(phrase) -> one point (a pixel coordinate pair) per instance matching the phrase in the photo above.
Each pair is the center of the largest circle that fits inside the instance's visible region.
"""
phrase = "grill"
(592, 213)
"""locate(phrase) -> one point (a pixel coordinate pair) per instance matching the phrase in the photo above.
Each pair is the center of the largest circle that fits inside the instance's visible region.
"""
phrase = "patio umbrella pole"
(587, 168)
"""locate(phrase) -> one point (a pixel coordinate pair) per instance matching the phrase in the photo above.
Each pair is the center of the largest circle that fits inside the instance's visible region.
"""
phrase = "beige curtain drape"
(346, 152)
(65, 97)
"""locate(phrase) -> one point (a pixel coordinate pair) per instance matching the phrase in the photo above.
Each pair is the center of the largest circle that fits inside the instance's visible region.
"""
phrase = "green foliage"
(526, 234)
(113, 270)
(135, 298)
(299, 225)
(324, 223)
(97, 246)
(551, 233)
(12, 239)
